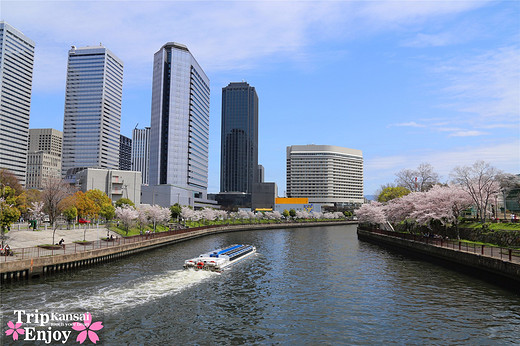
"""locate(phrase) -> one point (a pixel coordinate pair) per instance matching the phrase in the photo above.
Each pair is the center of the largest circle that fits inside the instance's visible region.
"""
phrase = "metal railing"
(508, 254)
(76, 247)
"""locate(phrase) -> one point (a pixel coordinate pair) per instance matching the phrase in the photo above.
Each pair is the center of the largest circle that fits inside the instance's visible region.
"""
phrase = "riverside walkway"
(505, 254)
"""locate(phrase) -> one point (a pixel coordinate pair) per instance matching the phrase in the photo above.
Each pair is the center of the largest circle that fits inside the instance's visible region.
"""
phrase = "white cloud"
(504, 156)
(487, 84)
(408, 124)
(222, 35)
(470, 133)
(431, 40)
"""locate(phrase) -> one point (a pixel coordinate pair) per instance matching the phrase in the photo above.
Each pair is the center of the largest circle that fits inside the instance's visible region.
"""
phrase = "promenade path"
(504, 254)
(26, 239)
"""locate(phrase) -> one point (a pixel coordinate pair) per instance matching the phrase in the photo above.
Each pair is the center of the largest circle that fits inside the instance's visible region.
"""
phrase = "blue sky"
(406, 82)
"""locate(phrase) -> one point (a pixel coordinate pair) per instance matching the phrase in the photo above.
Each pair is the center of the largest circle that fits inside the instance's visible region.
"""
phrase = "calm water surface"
(305, 286)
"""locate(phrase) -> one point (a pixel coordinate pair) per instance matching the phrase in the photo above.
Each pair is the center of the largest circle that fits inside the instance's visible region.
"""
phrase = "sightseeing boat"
(219, 259)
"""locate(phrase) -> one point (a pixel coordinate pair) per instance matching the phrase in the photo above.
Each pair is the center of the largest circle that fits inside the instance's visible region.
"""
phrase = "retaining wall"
(495, 267)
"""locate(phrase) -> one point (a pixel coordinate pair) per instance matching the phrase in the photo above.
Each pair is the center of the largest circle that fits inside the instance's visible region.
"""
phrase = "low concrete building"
(264, 195)
(167, 195)
(115, 183)
(298, 204)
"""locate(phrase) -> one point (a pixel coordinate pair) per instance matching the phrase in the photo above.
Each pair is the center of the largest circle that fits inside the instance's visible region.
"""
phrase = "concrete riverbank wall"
(505, 271)
(42, 266)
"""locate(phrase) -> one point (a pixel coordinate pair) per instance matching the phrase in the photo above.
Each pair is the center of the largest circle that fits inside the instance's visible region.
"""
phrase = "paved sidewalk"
(25, 238)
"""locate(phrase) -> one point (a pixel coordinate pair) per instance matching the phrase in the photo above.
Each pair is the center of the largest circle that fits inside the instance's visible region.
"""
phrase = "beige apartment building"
(43, 157)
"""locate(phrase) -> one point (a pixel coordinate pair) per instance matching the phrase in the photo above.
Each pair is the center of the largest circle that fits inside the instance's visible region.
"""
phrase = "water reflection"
(304, 286)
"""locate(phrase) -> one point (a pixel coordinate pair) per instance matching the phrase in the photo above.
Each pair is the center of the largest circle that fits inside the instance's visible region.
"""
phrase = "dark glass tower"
(239, 138)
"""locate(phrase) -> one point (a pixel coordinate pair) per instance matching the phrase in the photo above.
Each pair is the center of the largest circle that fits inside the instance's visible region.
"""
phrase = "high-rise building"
(141, 152)
(325, 174)
(92, 119)
(239, 138)
(125, 153)
(16, 70)
(44, 157)
(179, 134)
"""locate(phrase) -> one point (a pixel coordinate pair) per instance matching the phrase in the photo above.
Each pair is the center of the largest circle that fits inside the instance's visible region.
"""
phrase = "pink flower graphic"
(87, 329)
(14, 329)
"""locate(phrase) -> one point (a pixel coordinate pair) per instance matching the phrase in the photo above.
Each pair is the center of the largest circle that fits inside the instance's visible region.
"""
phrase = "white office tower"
(179, 138)
(141, 152)
(16, 70)
(325, 174)
(92, 120)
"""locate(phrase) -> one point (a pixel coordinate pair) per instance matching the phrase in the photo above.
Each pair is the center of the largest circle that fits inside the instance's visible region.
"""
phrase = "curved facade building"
(179, 134)
(325, 174)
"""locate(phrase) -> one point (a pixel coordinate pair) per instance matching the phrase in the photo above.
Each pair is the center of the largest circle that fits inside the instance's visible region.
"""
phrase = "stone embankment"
(28, 268)
(500, 264)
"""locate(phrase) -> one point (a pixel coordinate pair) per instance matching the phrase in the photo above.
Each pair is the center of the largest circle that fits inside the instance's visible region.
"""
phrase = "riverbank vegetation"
(146, 218)
(465, 208)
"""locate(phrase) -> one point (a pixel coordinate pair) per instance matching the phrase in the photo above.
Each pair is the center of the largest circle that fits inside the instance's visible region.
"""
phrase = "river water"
(305, 286)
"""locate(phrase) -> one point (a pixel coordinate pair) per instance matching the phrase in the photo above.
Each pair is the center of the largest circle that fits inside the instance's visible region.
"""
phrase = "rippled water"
(304, 287)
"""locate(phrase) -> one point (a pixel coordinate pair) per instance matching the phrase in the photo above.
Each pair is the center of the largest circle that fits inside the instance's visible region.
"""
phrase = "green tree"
(98, 197)
(175, 210)
(391, 192)
(86, 207)
(107, 211)
(285, 213)
(71, 213)
(292, 213)
(8, 215)
(124, 201)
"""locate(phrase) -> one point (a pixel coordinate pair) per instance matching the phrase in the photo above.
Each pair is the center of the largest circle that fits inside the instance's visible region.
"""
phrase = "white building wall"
(115, 183)
(325, 174)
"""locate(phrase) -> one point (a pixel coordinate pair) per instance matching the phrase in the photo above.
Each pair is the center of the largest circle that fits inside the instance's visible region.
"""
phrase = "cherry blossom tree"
(36, 211)
(372, 213)
(142, 218)
(401, 209)
(158, 215)
(422, 178)
(482, 182)
(127, 214)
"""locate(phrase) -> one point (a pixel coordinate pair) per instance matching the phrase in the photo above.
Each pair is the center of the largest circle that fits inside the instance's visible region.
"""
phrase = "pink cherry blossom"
(14, 329)
(87, 329)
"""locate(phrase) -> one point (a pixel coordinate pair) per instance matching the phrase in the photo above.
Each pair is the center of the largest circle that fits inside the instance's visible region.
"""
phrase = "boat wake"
(140, 291)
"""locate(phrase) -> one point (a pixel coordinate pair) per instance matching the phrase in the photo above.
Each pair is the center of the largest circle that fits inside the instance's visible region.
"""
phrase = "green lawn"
(492, 226)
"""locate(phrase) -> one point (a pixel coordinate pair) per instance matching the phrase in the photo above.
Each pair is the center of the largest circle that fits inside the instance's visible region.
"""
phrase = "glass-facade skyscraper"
(179, 135)
(125, 153)
(239, 138)
(16, 70)
(92, 119)
(141, 152)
